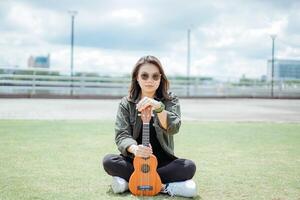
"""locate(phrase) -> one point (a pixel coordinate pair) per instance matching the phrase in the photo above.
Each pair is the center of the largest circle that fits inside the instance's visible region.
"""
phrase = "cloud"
(129, 16)
(228, 38)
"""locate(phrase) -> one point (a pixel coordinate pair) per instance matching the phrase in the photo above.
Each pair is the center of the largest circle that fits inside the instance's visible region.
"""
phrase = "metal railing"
(34, 85)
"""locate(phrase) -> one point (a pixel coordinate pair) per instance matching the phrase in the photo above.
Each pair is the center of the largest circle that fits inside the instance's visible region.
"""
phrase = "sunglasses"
(145, 76)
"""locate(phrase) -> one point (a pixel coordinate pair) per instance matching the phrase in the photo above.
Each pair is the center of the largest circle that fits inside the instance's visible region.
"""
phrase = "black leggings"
(173, 171)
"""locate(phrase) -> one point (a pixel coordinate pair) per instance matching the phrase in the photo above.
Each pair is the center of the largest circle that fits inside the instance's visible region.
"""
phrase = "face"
(149, 78)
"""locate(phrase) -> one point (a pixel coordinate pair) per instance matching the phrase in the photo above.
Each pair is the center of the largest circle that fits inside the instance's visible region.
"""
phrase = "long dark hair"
(135, 89)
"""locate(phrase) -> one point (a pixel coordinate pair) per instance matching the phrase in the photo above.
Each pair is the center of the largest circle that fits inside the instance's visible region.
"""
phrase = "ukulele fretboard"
(146, 134)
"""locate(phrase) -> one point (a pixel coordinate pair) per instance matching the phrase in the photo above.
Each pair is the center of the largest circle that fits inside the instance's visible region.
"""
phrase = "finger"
(140, 105)
(141, 102)
(142, 111)
(144, 106)
(153, 103)
(142, 148)
(146, 154)
(149, 108)
(146, 101)
(142, 154)
(148, 150)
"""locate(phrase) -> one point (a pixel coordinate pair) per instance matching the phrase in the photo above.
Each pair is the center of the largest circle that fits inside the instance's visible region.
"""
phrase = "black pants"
(172, 171)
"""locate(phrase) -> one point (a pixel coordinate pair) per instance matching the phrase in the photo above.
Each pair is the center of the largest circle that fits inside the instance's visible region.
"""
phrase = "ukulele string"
(149, 156)
(148, 159)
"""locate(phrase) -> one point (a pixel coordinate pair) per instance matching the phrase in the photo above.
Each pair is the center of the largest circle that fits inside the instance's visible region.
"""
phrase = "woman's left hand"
(145, 102)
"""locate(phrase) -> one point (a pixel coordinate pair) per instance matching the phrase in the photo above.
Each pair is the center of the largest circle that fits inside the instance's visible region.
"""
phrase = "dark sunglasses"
(155, 76)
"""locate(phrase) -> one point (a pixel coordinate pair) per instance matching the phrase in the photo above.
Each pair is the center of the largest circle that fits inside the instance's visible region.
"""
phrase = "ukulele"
(145, 181)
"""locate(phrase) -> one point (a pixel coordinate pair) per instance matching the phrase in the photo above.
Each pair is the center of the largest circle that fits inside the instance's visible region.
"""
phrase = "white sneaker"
(119, 184)
(184, 189)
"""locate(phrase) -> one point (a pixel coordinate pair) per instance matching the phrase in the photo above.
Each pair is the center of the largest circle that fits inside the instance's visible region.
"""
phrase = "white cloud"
(277, 27)
(130, 16)
(39, 23)
(94, 60)
(235, 41)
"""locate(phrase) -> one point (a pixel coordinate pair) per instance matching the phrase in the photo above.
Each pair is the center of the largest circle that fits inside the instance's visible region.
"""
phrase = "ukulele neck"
(146, 134)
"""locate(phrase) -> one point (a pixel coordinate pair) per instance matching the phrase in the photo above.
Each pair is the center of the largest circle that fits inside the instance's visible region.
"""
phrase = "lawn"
(62, 159)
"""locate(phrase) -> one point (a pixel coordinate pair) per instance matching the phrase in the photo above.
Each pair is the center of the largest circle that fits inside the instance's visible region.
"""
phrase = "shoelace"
(169, 190)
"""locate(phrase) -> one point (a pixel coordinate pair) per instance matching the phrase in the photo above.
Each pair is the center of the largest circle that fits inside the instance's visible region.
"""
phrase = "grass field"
(61, 159)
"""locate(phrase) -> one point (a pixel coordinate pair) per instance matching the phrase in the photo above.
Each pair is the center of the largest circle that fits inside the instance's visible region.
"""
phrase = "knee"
(190, 168)
(107, 161)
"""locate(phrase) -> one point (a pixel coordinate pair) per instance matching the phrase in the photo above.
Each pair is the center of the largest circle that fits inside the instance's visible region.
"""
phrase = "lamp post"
(188, 61)
(73, 13)
(273, 36)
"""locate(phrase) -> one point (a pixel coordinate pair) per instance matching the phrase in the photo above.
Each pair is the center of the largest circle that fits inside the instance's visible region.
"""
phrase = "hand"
(142, 151)
(145, 102)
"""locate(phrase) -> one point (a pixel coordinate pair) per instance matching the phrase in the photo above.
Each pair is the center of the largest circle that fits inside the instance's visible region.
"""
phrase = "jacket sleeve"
(123, 130)
(173, 116)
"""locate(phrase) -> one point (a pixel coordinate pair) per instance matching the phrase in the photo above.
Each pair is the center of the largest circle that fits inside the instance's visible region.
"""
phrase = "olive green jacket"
(128, 125)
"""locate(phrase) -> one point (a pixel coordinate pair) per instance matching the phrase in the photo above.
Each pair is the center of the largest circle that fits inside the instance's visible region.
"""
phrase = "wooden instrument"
(145, 181)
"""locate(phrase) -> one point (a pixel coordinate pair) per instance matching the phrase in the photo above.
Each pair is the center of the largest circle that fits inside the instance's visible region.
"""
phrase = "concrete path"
(266, 110)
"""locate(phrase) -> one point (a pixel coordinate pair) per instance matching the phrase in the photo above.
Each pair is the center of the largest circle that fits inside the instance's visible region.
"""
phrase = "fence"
(84, 86)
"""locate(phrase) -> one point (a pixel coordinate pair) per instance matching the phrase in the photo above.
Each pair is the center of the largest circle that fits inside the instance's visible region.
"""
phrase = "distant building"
(39, 61)
(284, 69)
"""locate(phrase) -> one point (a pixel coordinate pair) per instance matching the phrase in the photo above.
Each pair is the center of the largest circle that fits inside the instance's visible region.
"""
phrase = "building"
(284, 69)
(39, 61)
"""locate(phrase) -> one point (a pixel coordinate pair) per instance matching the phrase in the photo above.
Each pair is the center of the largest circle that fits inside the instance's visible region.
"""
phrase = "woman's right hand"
(141, 150)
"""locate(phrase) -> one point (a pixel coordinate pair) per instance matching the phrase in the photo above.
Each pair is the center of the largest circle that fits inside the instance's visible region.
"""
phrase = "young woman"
(149, 88)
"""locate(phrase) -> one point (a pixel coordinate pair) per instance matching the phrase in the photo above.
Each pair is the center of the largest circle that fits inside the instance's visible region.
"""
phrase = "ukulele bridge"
(145, 187)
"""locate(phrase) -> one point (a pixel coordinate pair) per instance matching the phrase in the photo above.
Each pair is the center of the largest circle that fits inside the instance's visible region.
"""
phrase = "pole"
(272, 74)
(73, 14)
(188, 61)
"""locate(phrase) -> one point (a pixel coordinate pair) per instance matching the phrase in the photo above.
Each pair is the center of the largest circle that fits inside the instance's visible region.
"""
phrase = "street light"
(273, 36)
(188, 61)
(73, 13)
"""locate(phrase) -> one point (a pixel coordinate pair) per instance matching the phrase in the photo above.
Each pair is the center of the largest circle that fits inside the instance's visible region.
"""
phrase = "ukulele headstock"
(146, 114)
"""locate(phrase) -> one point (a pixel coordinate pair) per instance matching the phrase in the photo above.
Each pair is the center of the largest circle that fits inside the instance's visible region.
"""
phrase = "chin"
(150, 90)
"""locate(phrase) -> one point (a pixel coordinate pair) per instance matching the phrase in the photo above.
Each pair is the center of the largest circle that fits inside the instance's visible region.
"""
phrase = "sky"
(228, 38)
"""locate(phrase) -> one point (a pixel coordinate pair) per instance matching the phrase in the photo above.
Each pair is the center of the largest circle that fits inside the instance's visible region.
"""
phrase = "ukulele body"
(145, 180)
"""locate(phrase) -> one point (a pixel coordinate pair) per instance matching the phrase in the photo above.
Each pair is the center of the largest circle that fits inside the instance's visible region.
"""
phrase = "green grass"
(62, 159)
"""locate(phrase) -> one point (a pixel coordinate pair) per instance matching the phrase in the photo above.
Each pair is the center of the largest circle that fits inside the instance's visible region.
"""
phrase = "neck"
(150, 95)
(146, 134)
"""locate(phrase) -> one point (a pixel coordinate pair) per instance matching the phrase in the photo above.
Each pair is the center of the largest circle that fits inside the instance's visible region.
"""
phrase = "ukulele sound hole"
(145, 168)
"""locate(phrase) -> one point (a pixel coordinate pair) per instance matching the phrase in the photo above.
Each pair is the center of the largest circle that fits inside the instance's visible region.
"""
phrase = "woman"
(149, 87)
